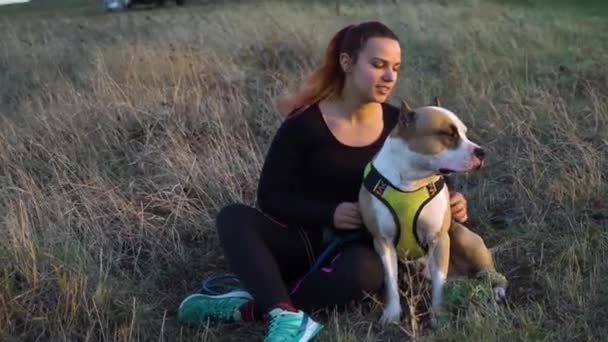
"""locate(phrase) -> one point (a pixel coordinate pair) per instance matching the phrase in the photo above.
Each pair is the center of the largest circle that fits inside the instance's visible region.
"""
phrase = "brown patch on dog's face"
(428, 131)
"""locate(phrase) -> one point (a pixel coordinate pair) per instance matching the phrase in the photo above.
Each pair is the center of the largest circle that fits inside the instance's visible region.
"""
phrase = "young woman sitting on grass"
(308, 187)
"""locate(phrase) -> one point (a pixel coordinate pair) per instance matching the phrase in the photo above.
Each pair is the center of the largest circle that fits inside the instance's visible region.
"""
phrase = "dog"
(405, 204)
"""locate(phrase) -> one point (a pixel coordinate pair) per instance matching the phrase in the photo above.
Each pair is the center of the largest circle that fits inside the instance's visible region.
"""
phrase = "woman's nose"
(389, 75)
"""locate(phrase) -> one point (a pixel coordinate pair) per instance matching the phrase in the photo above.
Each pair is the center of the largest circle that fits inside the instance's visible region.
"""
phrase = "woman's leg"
(354, 270)
(263, 253)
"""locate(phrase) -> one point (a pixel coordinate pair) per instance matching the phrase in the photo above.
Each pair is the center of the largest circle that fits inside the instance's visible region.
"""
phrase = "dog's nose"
(479, 153)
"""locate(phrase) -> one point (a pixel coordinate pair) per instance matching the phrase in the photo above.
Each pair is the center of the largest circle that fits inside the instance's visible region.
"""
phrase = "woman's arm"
(281, 171)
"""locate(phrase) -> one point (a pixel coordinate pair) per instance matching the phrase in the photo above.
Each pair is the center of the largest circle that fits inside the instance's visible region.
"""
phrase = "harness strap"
(409, 204)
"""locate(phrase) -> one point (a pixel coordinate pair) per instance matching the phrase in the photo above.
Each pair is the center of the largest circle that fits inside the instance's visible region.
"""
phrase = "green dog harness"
(405, 206)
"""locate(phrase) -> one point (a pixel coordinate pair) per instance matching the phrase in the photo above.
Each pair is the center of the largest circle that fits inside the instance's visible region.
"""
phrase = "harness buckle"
(432, 188)
(380, 187)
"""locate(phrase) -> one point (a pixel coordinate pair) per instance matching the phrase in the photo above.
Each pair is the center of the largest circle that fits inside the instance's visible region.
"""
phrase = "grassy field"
(122, 135)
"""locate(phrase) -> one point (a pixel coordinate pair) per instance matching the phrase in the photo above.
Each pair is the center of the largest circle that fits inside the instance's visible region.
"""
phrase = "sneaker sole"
(312, 329)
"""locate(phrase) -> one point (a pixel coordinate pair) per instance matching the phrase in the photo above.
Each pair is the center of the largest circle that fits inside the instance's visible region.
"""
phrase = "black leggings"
(271, 259)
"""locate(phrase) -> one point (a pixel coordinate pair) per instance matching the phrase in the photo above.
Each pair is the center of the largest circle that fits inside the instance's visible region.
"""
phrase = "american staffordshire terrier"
(405, 204)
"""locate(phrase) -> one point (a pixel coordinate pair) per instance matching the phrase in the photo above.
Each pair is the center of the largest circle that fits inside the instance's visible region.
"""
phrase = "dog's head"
(437, 139)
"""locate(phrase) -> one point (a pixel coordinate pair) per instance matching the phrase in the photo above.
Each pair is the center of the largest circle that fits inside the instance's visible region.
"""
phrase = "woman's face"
(374, 74)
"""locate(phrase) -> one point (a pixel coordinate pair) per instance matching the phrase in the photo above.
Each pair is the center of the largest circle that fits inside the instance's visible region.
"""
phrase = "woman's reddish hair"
(329, 77)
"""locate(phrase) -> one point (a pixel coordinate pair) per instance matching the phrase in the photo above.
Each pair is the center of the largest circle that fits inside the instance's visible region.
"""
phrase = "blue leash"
(336, 242)
(214, 285)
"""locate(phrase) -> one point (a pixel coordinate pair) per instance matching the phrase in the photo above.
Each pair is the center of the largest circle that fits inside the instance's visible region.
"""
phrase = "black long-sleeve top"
(308, 172)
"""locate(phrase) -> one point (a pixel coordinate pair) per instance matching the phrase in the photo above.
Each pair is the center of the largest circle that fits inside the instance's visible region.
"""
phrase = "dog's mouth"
(446, 171)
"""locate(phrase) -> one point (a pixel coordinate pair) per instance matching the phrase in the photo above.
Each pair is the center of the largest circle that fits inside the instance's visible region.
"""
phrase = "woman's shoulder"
(300, 125)
(303, 119)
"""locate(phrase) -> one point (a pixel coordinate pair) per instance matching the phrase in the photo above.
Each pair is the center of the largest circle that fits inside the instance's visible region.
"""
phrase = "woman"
(308, 187)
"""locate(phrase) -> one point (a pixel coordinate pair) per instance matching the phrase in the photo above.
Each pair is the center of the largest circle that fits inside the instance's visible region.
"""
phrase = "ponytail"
(326, 79)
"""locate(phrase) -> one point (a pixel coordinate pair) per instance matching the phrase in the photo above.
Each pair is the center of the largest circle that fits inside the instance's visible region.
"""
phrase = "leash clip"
(432, 188)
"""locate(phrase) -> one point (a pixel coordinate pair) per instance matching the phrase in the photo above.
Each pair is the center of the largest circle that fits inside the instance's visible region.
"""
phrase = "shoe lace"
(218, 309)
(281, 328)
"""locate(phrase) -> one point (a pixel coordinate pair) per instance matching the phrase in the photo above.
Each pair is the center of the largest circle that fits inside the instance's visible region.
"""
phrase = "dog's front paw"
(433, 321)
(392, 313)
(500, 294)
(436, 321)
(434, 318)
(499, 284)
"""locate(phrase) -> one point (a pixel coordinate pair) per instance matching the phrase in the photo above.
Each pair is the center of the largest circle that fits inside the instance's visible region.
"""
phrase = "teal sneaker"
(288, 326)
(196, 309)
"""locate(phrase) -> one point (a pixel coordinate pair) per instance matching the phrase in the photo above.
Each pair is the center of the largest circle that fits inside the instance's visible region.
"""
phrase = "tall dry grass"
(122, 135)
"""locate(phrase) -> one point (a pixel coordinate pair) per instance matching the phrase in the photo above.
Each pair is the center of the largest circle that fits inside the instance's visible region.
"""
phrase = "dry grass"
(122, 135)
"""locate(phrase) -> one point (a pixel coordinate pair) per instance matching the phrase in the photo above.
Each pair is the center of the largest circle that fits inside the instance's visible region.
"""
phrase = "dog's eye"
(450, 135)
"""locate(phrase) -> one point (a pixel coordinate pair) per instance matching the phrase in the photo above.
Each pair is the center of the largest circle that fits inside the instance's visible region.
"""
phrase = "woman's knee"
(231, 217)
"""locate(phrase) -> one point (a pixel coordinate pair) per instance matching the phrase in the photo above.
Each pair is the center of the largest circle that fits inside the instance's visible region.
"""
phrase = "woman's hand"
(458, 205)
(347, 216)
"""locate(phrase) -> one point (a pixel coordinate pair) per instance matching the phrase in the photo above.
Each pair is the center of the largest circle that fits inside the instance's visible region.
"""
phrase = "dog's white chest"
(428, 222)
(432, 216)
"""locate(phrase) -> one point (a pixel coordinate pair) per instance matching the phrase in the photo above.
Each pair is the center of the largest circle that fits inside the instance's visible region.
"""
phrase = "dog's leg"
(392, 309)
(439, 250)
(470, 246)
(471, 250)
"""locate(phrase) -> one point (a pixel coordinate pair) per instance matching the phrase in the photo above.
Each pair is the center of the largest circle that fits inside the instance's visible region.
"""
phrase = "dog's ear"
(436, 102)
(407, 116)
(405, 107)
